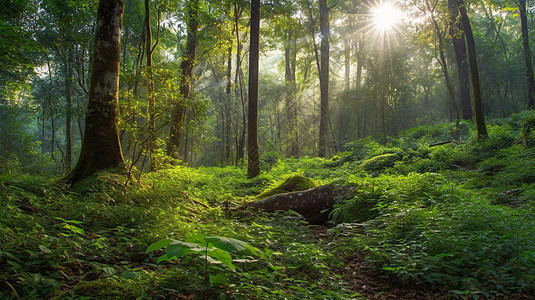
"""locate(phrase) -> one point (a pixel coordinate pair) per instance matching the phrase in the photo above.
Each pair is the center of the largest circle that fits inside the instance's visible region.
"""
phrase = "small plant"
(212, 249)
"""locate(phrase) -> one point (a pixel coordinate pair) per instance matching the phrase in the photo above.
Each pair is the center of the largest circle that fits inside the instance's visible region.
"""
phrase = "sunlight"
(385, 16)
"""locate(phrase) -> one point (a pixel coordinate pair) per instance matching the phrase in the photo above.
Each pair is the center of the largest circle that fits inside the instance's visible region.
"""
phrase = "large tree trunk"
(186, 81)
(474, 71)
(313, 204)
(527, 53)
(253, 164)
(324, 78)
(459, 46)
(100, 147)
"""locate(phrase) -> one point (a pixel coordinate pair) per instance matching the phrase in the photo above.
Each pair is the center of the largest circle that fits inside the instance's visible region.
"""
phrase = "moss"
(291, 184)
(379, 162)
(101, 289)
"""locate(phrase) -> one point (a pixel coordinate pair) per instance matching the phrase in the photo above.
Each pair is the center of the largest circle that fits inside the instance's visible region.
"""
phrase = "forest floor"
(454, 221)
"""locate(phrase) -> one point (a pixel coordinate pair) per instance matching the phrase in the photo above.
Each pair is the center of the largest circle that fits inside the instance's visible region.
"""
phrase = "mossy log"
(313, 204)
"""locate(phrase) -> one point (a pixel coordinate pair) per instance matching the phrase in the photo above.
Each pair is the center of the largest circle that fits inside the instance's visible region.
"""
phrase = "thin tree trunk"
(445, 71)
(49, 100)
(227, 122)
(324, 78)
(459, 46)
(527, 54)
(290, 54)
(68, 116)
(187, 64)
(474, 71)
(253, 165)
(150, 89)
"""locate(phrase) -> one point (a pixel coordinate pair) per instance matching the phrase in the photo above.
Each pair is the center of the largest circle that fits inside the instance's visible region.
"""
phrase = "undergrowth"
(458, 215)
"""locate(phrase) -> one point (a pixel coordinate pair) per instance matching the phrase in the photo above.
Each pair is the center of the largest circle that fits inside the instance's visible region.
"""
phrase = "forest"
(267, 149)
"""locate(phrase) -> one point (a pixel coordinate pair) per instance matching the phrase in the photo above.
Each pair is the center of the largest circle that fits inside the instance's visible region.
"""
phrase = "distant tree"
(527, 53)
(100, 146)
(253, 165)
(474, 71)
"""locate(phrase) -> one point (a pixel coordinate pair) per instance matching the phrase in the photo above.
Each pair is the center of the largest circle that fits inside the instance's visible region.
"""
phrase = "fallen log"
(313, 204)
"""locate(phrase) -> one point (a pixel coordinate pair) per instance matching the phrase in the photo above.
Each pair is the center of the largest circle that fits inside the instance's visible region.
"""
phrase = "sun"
(385, 16)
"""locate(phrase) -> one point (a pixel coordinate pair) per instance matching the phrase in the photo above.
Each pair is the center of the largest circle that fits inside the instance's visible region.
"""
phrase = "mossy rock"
(380, 162)
(291, 184)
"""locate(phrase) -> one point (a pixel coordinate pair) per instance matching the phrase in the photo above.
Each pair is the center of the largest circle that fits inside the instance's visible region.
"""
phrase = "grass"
(456, 215)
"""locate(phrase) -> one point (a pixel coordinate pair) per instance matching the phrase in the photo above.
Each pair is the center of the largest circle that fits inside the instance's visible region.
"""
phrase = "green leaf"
(219, 279)
(227, 244)
(163, 257)
(223, 257)
(158, 245)
(180, 248)
(45, 249)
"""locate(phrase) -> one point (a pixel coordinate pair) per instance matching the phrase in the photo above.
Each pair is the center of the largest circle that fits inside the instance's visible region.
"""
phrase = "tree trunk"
(290, 55)
(459, 46)
(150, 89)
(324, 78)
(227, 124)
(527, 53)
(186, 81)
(68, 115)
(100, 147)
(474, 71)
(313, 204)
(241, 94)
(444, 65)
(253, 165)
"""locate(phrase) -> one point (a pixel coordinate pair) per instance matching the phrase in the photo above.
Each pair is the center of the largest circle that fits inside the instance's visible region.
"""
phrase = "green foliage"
(455, 215)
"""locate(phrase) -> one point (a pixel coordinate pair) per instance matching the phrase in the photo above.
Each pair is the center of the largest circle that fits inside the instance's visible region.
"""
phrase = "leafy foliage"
(456, 216)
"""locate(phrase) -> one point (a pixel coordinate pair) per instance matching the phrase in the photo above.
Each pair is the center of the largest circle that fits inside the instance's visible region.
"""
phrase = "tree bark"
(150, 89)
(186, 81)
(527, 54)
(68, 115)
(459, 46)
(313, 204)
(474, 71)
(324, 78)
(101, 148)
(227, 122)
(290, 55)
(445, 71)
(253, 165)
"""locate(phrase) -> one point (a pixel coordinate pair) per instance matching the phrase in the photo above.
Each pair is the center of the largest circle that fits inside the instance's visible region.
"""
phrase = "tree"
(474, 71)
(324, 78)
(527, 53)
(187, 64)
(442, 60)
(150, 84)
(459, 46)
(253, 165)
(100, 146)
